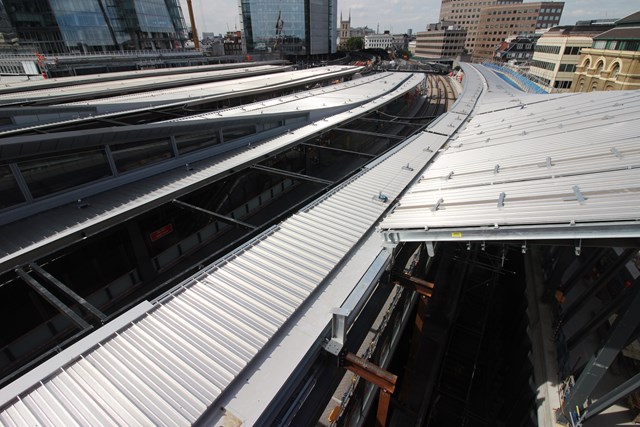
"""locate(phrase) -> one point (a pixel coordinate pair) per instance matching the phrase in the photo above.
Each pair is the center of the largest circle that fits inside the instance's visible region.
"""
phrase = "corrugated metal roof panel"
(168, 365)
(563, 160)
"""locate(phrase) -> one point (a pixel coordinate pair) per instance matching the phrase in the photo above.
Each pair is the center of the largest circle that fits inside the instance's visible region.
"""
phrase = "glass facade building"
(293, 27)
(81, 26)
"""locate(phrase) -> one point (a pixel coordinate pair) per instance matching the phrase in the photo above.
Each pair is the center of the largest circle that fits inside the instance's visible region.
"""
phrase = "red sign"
(161, 232)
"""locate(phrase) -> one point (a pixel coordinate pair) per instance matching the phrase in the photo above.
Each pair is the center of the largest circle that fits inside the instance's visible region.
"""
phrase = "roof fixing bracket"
(427, 150)
(483, 246)
(576, 190)
(501, 200)
(437, 205)
(578, 244)
(548, 162)
(616, 153)
(496, 169)
(524, 247)
(407, 167)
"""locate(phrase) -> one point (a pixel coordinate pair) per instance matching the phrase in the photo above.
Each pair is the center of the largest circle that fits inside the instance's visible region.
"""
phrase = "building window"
(599, 67)
(587, 64)
(615, 70)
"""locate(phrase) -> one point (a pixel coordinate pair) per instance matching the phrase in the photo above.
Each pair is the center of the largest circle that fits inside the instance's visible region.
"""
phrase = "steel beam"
(53, 300)
(395, 122)
(602, 316)
(586, 265)
(370, 372)
(608, 274)
(341, 150)
(623, 328)
(611, 397)
(64, 288)
(384, 401)
(292, 174)
(380, 135)
(213, 214)
(419, 285)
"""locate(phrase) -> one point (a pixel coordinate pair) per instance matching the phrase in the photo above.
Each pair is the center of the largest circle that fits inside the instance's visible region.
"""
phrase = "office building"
(557, 55)
(490, 22)
(441, 40)
(499, 22)
(53, 27)
(613, 60)
(378, 41)
(466, 14)
(299, 28)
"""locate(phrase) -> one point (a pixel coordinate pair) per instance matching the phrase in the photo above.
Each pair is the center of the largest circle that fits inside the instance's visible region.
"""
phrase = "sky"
(218, 16)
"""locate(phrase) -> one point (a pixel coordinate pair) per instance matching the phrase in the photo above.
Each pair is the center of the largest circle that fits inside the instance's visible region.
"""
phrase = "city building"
(53, 27)
(516, 50)
(345, 31)
(466, 14)
(557, 55)
(498, 22)
(297, 28)
(378, 41)
(441, 40)
(362, 31)
(613, 60)
(233, 43)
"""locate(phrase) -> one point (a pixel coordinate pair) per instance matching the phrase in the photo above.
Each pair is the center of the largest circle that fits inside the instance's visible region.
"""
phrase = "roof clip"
(437, 205)
(524, 247)
(483, 246)
(501, 200)
(383, 197)
(547, 163)
(468, 246)
(427, 150)
(616, 153)
(581, 199)
(578, 244)
(496, 169)
(407, 167)
(448, 177)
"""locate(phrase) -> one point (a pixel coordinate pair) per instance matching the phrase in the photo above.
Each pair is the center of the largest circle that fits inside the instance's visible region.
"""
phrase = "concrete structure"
(613, 60)
(52, 27)
(441, 40)
(557, 54)
(496, 23)
(298, 28)
(378, 41)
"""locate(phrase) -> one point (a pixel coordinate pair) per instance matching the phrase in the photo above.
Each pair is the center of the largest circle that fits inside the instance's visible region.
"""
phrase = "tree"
(405, 54)
(355, 43)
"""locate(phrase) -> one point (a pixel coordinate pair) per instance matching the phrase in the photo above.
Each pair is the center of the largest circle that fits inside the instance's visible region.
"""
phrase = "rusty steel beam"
(421, 286)
(370, 372)
(384, 401)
